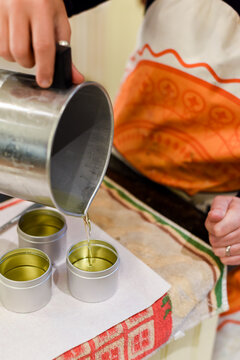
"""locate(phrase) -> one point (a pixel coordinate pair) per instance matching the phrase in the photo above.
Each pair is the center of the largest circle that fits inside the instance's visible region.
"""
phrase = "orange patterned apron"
(177, 114)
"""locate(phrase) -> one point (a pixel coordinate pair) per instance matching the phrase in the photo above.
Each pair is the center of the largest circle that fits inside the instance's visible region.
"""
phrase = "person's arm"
(223, 225)
(76, 6)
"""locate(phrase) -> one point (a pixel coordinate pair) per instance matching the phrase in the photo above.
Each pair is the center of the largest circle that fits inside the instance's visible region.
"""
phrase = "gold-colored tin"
(93, 256)
(41, 222)
(45, 229)
(92, 269)
(25, 279)
(24, 264)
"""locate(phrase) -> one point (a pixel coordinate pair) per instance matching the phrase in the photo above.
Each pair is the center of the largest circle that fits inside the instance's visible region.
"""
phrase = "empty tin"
(25, 280)
(44, 229)
(92, 270)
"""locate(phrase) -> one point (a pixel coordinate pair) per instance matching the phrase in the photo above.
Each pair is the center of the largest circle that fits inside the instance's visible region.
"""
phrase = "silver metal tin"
(44, 229)
(55, 144)
(25, 280)
(92, 285)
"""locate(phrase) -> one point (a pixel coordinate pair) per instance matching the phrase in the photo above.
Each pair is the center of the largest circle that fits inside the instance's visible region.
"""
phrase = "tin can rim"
(49, 238)
(27, 283)
(93, 274)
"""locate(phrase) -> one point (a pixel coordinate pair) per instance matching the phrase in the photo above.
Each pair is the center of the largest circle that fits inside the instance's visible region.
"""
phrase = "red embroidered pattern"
(132, 339)
(177, 129)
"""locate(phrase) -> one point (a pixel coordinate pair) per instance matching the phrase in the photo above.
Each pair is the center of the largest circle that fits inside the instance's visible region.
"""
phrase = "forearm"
(76, 6)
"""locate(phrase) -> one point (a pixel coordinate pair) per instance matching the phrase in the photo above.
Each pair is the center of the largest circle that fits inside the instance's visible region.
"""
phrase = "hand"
(223, 225)
(29, 30)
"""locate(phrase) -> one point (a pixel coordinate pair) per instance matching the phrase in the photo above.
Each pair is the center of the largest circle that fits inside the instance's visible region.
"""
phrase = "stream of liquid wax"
(87, 225)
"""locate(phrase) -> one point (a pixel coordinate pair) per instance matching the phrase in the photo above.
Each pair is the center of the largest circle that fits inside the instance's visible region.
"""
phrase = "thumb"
(219, 208)
(77, 77)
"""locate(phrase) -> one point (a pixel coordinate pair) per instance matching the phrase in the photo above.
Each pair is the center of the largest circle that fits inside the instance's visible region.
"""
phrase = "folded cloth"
(196, 275)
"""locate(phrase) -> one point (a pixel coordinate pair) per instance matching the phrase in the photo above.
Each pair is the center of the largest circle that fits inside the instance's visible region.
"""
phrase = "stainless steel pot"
(92, 270)
(25, 280)
(44, 229)
(55, 144)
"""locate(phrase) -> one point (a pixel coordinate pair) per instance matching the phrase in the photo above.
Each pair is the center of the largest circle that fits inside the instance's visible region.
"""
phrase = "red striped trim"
(9, 203)
(180, 60)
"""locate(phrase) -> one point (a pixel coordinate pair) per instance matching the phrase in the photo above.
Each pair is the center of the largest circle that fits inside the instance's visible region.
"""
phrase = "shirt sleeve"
(235, 4)
(76, 6)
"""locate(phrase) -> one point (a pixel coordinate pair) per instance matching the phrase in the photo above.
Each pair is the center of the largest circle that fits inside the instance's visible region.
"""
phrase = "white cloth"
(199, 37)
(66, 322)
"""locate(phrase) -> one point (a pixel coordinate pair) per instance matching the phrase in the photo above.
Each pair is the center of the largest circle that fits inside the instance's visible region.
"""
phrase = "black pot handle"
(62, 78)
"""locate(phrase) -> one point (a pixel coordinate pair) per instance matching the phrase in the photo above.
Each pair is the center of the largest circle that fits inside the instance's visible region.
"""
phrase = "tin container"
(55, 144)
(92, 270)
(44, 229)
(25, 280)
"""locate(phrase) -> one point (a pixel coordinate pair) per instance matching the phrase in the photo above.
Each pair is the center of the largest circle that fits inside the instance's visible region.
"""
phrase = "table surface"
(185, 215)
(159, 198)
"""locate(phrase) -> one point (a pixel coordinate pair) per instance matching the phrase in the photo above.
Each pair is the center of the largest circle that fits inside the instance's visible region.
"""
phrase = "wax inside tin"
(101, 258)
(23, 265)
(92, 264)
(41, 222)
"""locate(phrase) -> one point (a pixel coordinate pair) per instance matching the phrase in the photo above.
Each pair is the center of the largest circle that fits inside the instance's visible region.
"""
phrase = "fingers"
(231, 220)
(229, 256)
(29, 31)
(62, 26)
(15, 33)
(234, 250)
(219, 208)
(43, 40)
(77, 77)
(20, 38)
(219, 246)
(232, 257)
(56, 28)
(231, 260)
(4, 39)
(223, 241)
(223, 225)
